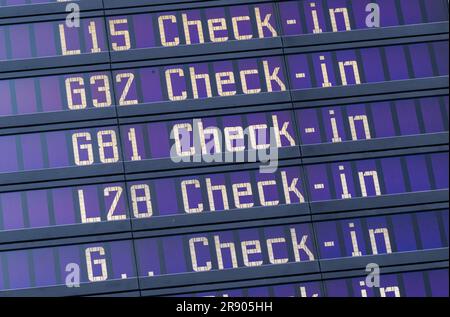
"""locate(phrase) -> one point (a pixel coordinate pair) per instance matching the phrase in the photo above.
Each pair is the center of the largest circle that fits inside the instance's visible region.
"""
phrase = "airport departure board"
(226, 148)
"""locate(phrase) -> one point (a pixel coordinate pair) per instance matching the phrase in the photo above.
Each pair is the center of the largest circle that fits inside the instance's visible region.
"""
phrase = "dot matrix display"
(276, 148)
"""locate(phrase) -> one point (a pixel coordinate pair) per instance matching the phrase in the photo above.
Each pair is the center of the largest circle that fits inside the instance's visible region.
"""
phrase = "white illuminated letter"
(90, 263)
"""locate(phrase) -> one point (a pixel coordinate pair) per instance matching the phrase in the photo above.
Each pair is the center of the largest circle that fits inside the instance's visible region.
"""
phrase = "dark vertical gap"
(1, 214)
(441, 221)
(444, 113)
(301, 166)
(122, 152)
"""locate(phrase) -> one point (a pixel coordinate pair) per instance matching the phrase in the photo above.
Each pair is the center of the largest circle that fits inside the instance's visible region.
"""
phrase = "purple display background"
(49, 93)
(56, 146)
(390, 174)
(58, 206)
(295, 19)
(155, 255)
(27, 2)
(379, 115)
(166, 193)
(147, 32)
(152, 252)
(154, 82)
(47, 38)
(47, 266)
(157, 136)
(371, 59)
(311, 289)
(415, 284)
(256, 83)
(400, 228)
(293, 13)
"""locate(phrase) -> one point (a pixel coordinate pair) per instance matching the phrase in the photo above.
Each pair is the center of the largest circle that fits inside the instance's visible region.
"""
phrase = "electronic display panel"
(195, 81)
(216, 251)
(51, 39)
(59, 149)
(194, 137)
(142, 87)
(268, 75)
(305, 289)
(411, 284)
(50, 94)
(187, 27)
(212, 251)
(168, 197)
(249, 22)
(377, 177)
(115, 138)
(405, 284)
(216, 192)
(279, 245)
(303, 17)
(64, 206)
(335, 124)
(368, 65)
(209, 25)
(195, 194)
(382, 235)
(46, 267)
